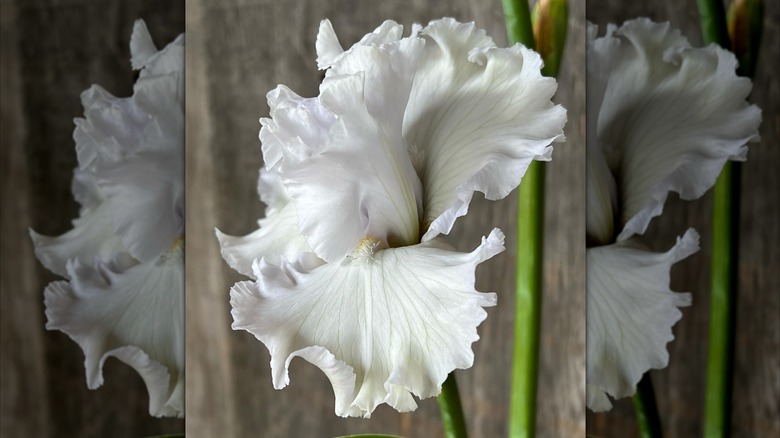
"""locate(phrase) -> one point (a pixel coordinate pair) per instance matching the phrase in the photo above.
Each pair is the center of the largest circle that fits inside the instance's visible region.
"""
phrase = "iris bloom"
(349, 273)
(123, 259)
(662, 116)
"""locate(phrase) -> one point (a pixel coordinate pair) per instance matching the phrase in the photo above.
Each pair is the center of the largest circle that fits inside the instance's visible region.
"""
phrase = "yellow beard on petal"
(367, 247)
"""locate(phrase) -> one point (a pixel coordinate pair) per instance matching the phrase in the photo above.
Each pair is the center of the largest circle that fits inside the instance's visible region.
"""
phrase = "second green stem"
(451, 410)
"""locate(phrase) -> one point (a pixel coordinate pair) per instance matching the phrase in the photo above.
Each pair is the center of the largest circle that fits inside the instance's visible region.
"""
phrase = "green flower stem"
(723, 274)
(725, 220)
(451, 411)
(518, 22)
(525, 361)
(550, 28)
(646, 409)
(530, 221)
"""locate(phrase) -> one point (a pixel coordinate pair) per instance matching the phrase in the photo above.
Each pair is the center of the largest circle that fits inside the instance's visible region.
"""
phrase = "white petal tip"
(328, 46)
(491, 245)
(142, 47)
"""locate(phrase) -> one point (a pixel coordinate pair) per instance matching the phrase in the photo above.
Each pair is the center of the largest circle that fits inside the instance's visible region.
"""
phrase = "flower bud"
(745, 25)
(549, 20)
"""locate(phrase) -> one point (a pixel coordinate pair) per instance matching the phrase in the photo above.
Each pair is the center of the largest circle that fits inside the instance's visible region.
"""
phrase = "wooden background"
(237, 51)
(680, 388)
(51, 51)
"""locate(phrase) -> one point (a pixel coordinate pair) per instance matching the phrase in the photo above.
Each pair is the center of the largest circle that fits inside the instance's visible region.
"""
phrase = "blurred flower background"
(680, 388)
(51, 52)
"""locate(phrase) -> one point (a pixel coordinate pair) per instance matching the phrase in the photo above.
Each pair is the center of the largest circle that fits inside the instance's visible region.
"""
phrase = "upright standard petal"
(298, 127)
(146, 194)
(361, 174)
(142, 48)
(146, 187)
(133, 148)
(132, 311)
(330, 51)
(630, 313)
(388, 71)
(361, 184)
(111, 129)
(413, 313)
(151, 62)
(670, 116)
(477, 116)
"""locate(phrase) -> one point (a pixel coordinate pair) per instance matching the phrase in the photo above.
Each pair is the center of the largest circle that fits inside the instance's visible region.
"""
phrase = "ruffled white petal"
(382, 325)
(91, 238)
(146, 194)
(112, 128)
(157, 96)
(388, 71)
(86, 190)
(150, 62)
(597, 399)
(670, 116)
(477, 116)
(145, 185)
(133, 149)
(361, 184)
(630, 313)
(278, 237)
(344, 152)
(330, 51)
(142, 48)
(298, 127)
(328, 46)
(272, 192)
(131, 311)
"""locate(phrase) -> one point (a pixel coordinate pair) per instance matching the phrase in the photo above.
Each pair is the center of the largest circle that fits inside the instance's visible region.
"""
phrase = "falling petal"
(630, 314)
(382, 324)
(130, 311)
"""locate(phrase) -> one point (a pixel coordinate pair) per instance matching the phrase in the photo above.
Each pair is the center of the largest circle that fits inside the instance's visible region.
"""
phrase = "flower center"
(176, 249)
(366, 249)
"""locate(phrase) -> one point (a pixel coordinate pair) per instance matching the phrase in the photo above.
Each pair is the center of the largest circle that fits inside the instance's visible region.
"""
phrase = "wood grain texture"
(680, 388)
(239, 50)
(52, 51)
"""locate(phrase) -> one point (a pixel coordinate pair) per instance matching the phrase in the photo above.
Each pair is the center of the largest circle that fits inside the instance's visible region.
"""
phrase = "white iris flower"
(662, 116)
(359, 182)
(124, 257)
